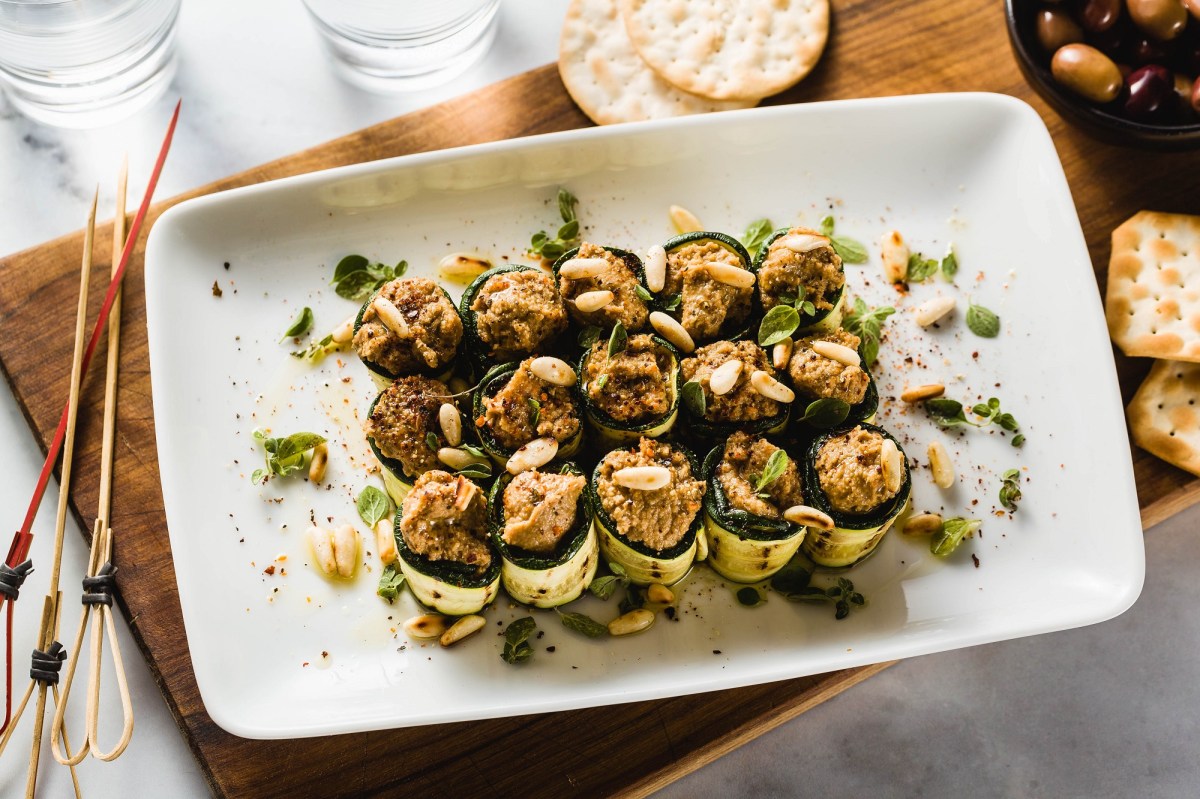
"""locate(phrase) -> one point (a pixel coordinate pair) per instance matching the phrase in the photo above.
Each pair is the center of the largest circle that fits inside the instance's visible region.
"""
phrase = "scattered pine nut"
(536, 453)
(590, 301)
(656, 268)
(632, 622)
(345, 549)
(933, 309)
(781, 353)
(684, 220)
(462, 267)
(894, 254)
(809, 517)
(922, 393)
(800, 243)
(465, 626)
(450, 420)
(771, 388)
(922, 524)
(319, 462)
(321, 541)
(583, 268)
(385, 541)
(343, 333)
(660, 594)
(940, 464)
(457, 459)
(730, 275)
(553, 370)
(428, 625)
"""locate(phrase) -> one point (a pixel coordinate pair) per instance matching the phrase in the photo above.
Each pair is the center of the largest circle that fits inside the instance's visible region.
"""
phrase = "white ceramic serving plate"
(293, 654)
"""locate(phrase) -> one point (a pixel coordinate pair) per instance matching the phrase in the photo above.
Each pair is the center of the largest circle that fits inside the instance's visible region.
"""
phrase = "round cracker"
(728, 49)
(605, 76)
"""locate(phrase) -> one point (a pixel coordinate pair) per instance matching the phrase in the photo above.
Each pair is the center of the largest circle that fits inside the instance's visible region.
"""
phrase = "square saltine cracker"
(1164, 415)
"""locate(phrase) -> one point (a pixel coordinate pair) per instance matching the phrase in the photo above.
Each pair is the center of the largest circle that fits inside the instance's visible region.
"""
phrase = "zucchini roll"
(736, 396)
(402, 428)
(751, 483)
(646, 504)
(630, 393)
(540, 524)
(710, 273)
(442, 544)
(798, 264)
(511, 311)
(599, 286)
(516, 403)
(816, 375)
(859, 477)
(408, 326)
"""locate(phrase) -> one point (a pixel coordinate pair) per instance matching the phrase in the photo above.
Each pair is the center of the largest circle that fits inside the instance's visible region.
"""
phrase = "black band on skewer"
(98, 590)
(46, 665)
(13, 577)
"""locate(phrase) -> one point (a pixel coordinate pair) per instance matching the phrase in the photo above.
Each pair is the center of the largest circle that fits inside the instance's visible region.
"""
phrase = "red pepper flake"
(975, 558)
(216, 290)
(270, 569)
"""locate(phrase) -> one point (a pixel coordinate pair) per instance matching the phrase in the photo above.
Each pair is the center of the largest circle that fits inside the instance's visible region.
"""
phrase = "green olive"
(1087, 72)
(1162, 19)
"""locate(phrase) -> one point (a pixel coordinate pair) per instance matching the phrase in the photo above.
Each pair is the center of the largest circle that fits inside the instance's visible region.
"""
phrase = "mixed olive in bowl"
(1127, 71)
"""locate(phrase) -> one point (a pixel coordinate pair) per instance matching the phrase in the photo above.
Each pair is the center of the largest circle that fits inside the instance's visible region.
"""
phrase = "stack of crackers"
(631, 60)
(1153, 307)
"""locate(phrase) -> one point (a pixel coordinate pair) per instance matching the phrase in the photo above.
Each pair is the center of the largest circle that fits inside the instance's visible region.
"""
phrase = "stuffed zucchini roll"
(751, 484)
(516, 403)
(599, 286)
(510, 312)
(646, 503)
(409, 326)
(710, 273)
(403, 431)
(739, 391)
(858, 476)
(798, 265)
(442, 544)
(540, 524)
(630, 388)
(817, 373)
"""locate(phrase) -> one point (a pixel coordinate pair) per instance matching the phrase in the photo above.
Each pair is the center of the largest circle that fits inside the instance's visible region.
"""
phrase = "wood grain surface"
(877, 48)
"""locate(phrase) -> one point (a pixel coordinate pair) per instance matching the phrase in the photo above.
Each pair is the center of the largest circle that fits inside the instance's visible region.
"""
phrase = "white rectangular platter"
(289, 653)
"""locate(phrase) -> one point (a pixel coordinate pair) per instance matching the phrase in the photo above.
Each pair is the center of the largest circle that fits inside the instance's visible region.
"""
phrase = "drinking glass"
(83, 63)
(403, 45)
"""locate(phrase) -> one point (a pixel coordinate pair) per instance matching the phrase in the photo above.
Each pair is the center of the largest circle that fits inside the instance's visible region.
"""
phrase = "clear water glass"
(404, 45)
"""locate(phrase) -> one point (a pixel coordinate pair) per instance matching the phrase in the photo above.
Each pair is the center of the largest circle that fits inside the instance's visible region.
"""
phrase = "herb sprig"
(516, 640)
(981, 321)
(1010, 489)
(373, 505)
(568, 233)
(582, 623)
(826, 412)
(850, 250)
(283, 456)
(356, 276)
(756, 233)
(951, 534)
(300, 325)
(794, 583)
(604, 586)
(867, 323)
(693, 398)
(775, 466)
(390, 583)
(949, 413)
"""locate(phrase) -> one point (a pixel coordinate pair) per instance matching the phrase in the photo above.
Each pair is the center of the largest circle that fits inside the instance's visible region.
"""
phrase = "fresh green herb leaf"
(1018, 440)
(756, 233)
(390, 583)
(950, 265)
(947, 412)
(794, 577)
(825, 227)
(516, 643)
(776, 465)
(476, 471)
(356, 277)
(569, 230)
(349, 265)
(981, 321)
(535, 412)
(317, 349)
(693, 398)
(1010, 490)
(301, 325)
(617, 340)
(778, 325)
(952, 533)
(566, 205)
(582, 623)
(284, 456)
(258, 476)
(431, 440)
(373, 505)
(867, 324)
(672, 303)
(849, 250)
(920, 268)
(588, 336)
(642, 293)
(568, 233)
(826, 412)
(473, 450)
(634, 598)
(603, 587)
(601, 381)
(750, 597)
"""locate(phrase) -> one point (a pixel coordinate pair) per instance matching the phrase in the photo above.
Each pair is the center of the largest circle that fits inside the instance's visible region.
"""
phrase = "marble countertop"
(1105, 711)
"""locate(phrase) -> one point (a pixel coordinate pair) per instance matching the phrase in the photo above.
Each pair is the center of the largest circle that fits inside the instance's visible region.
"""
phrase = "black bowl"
(1091, 118)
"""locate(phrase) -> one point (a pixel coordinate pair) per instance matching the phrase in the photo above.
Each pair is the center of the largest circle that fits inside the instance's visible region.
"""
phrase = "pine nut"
(321, 541)
(802, 242)
(391, 317)
(922, 524)
(809, 517)
(632, 622)
(536, 453)
(922, 393)
(684, 220)
(667, 327)
(933, 309)
(894, 254)
(725, 377)
(656, 268)
(730, 275)
(771, 388)
(891, 465)
(781, 353)
(319, 462)
(553, 370)
(428, 625)
(464, 493)
(343, 333)
(461, 629)
(457, 459)
(940, 464)
(837, 352)
(590, 301)
(450, 420)
(659, 594)
(583, 268)
(643, 478)
(462, 267)
(385, 541)
(345, 549)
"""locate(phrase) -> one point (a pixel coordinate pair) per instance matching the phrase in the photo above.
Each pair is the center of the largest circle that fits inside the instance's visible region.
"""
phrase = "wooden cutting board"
(877, 47)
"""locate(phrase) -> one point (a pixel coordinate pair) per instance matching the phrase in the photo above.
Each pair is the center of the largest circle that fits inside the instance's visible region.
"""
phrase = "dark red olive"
(1099, 15)
(1056, 28)
(1144, 50)
(1149, 90)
